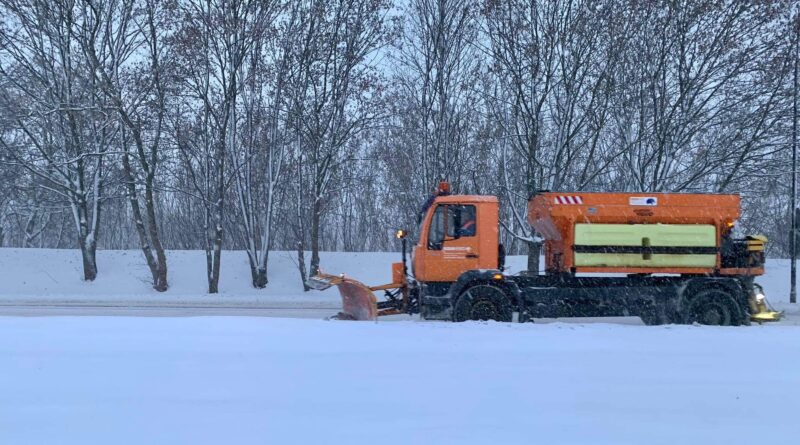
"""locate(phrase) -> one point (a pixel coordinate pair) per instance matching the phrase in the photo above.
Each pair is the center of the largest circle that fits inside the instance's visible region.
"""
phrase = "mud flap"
(760, 309)
(766, 316)
(764, 312)
(358, 301)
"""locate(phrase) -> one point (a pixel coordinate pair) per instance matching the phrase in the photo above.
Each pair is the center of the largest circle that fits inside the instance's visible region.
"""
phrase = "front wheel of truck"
(483, 302)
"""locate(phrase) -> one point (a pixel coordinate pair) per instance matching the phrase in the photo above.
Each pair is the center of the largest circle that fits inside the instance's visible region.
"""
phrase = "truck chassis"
(655, 299)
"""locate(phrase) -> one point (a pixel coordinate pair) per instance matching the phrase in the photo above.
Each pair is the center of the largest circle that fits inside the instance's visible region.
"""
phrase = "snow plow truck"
(664, 257)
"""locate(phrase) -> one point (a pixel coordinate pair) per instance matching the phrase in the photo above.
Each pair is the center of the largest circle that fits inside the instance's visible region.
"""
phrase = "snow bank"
(54, 276)
(257, 380)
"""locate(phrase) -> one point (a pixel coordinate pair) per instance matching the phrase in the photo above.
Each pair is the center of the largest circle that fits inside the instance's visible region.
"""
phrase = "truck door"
(452, 245)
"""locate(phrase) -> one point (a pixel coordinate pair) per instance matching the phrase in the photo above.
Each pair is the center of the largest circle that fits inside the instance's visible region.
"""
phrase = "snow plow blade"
(358, 301)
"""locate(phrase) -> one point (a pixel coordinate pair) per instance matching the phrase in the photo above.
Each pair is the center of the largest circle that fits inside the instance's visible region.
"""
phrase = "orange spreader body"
(554, 215)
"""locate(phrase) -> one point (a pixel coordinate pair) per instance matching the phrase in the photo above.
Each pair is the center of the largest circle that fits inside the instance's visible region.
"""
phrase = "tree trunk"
(87, 235)
(29, 230)
(263, 278)
(213, 235)
(258, 273)
(213, 258)
(301, 264)
(157, 265)
(534, 250)
(160, 279)
(160, 272)
(213, 280)
(315, 221)
(260, 279)
(213, 248)
(89, 257)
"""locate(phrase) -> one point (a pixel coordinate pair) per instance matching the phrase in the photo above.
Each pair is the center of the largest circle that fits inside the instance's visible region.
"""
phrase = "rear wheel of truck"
(483, 302)
(653, 314)
(713, 307)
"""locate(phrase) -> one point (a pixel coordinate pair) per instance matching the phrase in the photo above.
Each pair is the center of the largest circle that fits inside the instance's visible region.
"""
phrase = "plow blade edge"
(358, 301)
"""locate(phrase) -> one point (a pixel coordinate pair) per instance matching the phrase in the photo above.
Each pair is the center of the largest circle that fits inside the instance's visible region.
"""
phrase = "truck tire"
(483, 302)
(653, 314)
(714, 307)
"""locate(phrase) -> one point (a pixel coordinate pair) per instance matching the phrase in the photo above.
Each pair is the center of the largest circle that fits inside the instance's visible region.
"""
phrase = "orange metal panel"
(742, 271)
(611, 208)
(398, 275)
(554, 215)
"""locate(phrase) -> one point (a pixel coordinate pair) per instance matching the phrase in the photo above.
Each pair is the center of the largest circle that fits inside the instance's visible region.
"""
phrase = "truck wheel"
(483, 302)
(713, 307)
(653, 315)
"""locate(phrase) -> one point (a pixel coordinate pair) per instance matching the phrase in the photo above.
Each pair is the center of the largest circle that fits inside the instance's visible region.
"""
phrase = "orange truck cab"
(458, 233)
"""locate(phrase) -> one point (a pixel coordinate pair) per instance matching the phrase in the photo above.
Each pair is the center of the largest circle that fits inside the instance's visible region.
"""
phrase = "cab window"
(460, 221)
(451, 222)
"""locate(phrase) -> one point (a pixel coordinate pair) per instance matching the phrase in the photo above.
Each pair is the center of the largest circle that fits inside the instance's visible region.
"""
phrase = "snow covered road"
(212, 380)
(35, 310)
(307, 311)
(115, 362)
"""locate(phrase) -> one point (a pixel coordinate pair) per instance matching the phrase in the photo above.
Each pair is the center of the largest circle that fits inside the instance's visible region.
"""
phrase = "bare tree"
(438, 74)
(214, 40)
(321, 124)
(335, 92)
(260, 162)
(691, 66)
(9, 178)
(61, 133)
(523, 38)
(115, 35)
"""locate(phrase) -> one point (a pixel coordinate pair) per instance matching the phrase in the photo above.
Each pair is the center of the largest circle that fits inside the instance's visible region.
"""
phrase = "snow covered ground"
(49, 276)
(212, 380)
(220, 380)
(54, 277)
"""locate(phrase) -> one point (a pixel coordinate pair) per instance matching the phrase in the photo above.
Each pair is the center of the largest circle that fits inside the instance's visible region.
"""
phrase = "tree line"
(309, 125)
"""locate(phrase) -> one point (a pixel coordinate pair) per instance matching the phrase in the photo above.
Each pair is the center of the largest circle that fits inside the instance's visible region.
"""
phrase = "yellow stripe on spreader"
(672, 235)
(654, 235)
